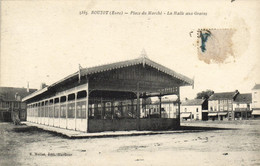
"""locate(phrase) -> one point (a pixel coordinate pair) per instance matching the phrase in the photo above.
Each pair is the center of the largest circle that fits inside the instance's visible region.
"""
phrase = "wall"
(99, 125)
(256, 98)
(220, 105)
(14, 109)
(46, 113)
(193, 109)
(241, 105)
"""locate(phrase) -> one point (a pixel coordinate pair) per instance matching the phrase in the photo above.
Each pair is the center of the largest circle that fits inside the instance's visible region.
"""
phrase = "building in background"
(256, 101)
(196, 109)
(221, 105)
(169, 108)
(242, 106)
(11, 105)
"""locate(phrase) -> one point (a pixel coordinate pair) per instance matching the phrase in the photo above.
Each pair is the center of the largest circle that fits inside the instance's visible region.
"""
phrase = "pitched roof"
(9, 93)
(257, 86)
(244, 98)
(143, 60)
(223, 95)
(107, 67)
(193, 102)
(117, 65)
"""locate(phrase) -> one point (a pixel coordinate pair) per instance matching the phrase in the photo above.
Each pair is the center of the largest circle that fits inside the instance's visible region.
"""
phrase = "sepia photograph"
(115, 82)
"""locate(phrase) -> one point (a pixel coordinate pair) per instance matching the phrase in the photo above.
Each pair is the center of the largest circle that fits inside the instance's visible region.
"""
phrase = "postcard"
(114, 82)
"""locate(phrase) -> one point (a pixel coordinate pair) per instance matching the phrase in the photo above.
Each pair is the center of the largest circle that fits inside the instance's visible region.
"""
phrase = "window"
(221, 108)
(16, 104)
(63, 110)
(56, 111)
(46, 109)
(81, 105)
(39, 109)
(6, 104)
(71, 110)
(81, 110)
(22, 114)
(42, 109)
(225, 108)
(63, 107)
(23, 105)
(197, 117)
(56, 108)
(197, 110)
(185, 109)
(78, 111)
(108, 113)
(71, 106)
(3, 104)
(230, 108)
(51, 111)
(95, 110)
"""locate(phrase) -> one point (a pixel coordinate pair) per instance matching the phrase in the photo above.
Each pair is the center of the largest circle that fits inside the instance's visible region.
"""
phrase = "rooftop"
(223, 95)
(244, 98)
(10, 93)
(142, 60)
(193, 102)
(107, 67)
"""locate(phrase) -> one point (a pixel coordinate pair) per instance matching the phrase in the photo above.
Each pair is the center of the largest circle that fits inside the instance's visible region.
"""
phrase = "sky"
(44, 41)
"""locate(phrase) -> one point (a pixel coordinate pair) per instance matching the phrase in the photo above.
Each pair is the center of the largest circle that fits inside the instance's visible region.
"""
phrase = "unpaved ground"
(237, 143)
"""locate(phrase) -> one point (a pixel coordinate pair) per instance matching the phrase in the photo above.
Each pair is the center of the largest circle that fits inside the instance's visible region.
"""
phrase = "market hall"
(111, 97)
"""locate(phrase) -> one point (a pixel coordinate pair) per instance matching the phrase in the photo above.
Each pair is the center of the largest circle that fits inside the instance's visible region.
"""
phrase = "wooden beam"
(138, 106)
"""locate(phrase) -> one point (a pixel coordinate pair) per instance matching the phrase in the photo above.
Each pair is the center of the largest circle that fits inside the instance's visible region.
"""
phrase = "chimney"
(236, 93)
(43, 85)
(28, 87)
(15, 96)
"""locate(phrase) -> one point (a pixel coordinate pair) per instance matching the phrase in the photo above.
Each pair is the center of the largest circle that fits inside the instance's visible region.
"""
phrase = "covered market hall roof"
(143, 61)
(117, 65)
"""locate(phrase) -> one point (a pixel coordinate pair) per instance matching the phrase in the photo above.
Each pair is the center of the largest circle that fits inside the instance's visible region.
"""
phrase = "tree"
(205, 94)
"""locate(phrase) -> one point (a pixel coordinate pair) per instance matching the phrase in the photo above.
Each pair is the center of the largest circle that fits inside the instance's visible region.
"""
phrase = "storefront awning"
(256, 112)
(222, 113)
(185, 115)
(212, 114)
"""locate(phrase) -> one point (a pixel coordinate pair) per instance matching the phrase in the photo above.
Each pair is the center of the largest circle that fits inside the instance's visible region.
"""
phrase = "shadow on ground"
(34, 130)
(182, 129)
(199, 128)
